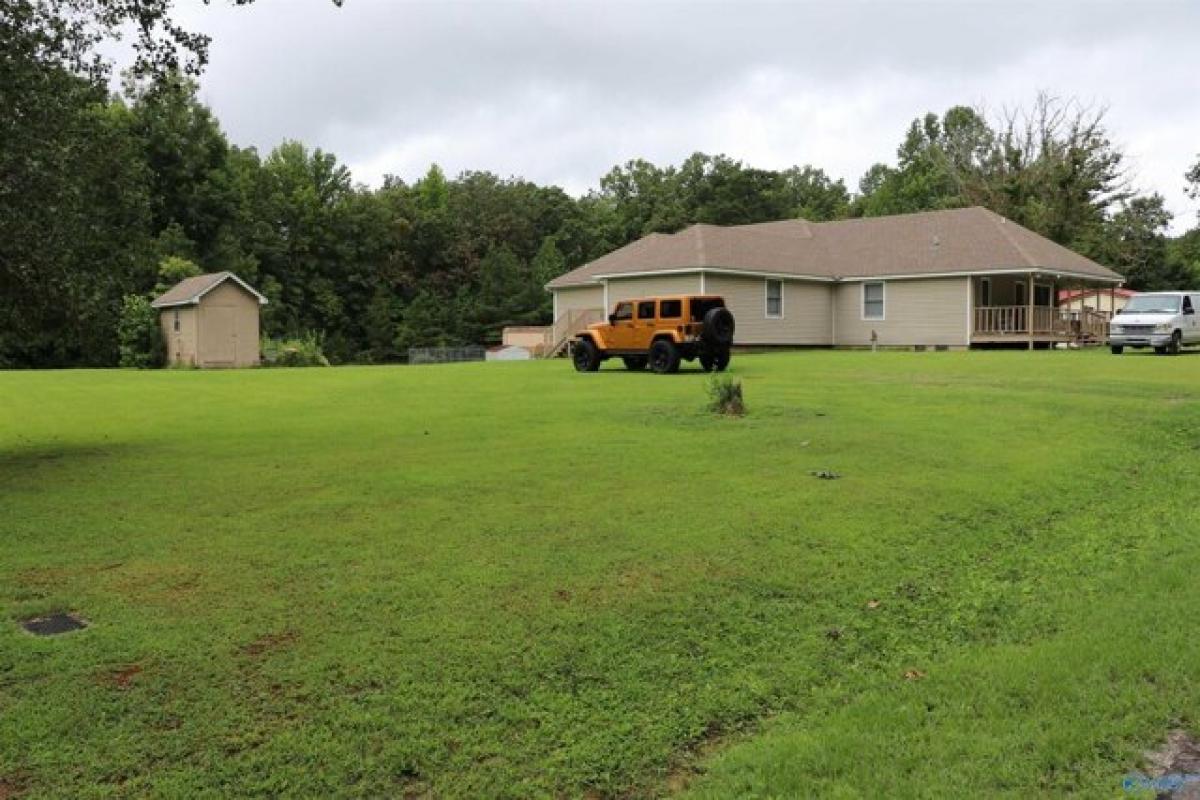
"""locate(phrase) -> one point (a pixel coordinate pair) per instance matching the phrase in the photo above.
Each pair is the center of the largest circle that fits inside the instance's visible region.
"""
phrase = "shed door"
(218, 335)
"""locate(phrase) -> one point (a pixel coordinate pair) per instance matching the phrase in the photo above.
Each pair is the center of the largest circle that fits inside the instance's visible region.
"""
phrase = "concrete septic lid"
(53, 624)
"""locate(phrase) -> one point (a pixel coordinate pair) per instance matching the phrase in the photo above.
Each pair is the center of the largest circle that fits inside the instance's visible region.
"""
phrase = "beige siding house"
(211, 321)
(940, 279)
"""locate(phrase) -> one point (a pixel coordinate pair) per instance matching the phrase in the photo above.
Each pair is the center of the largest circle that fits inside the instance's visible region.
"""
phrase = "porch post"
(1029, 292)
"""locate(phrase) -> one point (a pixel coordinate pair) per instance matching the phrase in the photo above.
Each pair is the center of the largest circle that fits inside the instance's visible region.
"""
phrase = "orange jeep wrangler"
(659, 331)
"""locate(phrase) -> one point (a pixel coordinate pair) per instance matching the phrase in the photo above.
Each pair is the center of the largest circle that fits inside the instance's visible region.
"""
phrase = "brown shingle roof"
(190, 290)
(931, 242)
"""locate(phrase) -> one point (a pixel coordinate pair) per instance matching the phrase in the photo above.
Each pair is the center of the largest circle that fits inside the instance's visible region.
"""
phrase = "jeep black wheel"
(721, 360)
(586, 356)
(635, 363)
(706, 362)
(664, 357)
(718, 327)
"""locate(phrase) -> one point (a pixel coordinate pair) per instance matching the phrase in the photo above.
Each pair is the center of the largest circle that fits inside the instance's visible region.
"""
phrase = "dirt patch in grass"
(121, 678)
(160, 585)
(12, 787)
(688, 768)
(270, 643)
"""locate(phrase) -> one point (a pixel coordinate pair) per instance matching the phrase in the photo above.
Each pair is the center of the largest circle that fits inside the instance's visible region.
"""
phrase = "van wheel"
(634, 363)
(664, 357)
(1176, 343)
(1117, 349)
(585, 356)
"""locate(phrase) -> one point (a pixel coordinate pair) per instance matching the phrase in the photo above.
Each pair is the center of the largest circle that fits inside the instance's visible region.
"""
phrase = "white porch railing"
(1047, 320)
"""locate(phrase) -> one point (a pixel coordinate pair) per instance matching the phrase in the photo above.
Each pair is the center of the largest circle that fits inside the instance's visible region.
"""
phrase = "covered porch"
(1022, 309)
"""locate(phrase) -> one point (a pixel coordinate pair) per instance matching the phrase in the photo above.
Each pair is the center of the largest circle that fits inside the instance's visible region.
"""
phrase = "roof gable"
(189, 290)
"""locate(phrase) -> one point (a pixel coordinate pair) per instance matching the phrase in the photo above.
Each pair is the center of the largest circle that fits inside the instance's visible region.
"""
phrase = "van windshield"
(1153, 304)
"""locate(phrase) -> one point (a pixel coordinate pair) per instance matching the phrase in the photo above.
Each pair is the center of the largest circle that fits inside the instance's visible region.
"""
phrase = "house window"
(872, 300)
(670, 309)
(1019, 293)
(177, 320)
(985, 292)
(646, 309)
(774, 298)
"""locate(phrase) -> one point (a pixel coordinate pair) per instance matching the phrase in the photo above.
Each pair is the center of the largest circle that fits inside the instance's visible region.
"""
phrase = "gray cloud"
(559, 92)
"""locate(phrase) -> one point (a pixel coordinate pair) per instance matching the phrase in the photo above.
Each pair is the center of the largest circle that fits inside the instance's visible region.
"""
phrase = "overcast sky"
(559, 92)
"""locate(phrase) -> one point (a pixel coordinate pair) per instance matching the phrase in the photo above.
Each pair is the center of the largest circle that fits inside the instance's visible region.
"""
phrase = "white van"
(1165, 321)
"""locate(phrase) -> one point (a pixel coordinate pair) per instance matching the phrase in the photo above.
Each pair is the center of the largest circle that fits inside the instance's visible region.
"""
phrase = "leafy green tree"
(644, 200)
(186, 155)
(547, 265)
(1192, 177)
(427, 321)
(1051, 167)
(1183, 259)
(381, 316)
(140, 337)
(808, 193)
(172, 270)
(721, 191)
(1136, 242)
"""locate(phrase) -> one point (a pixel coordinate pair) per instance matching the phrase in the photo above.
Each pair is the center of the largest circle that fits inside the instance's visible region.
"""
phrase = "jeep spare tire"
(718, 327)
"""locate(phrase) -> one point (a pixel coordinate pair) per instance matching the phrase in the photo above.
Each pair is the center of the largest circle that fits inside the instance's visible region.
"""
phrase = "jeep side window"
(623, 311)
(646, 309)
(670, 309)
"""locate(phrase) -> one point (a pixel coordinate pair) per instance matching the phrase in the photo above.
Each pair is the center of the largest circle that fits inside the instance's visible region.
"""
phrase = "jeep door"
(620, 334)
(643, 324)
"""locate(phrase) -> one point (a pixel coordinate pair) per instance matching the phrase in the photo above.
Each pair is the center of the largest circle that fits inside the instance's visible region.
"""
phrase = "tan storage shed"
(211, 321)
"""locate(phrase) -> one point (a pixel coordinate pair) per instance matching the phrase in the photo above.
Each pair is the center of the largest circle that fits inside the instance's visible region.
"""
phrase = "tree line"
(106, 199)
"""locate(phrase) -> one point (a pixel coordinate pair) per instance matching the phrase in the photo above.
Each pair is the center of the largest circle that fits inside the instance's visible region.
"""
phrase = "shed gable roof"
(189, 290)
(960, 240)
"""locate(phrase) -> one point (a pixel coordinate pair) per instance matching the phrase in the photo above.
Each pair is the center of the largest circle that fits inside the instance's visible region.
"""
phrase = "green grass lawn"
(510, 580)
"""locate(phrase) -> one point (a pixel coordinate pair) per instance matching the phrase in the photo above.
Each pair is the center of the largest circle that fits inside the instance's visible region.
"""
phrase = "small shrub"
(725, 396)
(139, 337)
(305, 350)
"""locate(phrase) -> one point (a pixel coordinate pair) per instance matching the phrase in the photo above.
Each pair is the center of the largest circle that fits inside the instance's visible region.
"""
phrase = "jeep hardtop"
(659, 332)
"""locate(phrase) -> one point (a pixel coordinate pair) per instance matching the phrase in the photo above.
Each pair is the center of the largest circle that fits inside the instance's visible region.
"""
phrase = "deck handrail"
(1057, 320)
(567, 325)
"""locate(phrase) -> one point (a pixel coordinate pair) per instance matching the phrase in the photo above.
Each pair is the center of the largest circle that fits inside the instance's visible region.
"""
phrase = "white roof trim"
(194, 299)
(1058, 273)
(615, 276)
